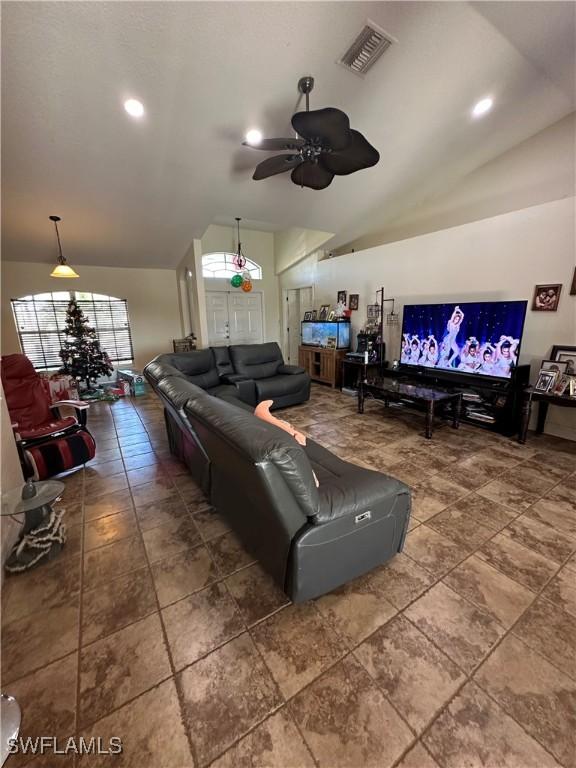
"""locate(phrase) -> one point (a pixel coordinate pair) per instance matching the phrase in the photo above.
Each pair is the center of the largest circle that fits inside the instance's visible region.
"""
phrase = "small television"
(326, 333)
(481, 337)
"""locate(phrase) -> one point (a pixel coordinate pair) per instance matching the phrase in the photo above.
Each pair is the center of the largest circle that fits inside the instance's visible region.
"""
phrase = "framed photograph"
(573, 286)
(324, 309)
(331, 342)
(546, 381)
(314, 314)
(342, 297)
(353, 301)
(307, 316)
(546, 298)
(373, 311)
(331, 315)
(564, 353)
(572, 391)
(556, 366)
(562, 385)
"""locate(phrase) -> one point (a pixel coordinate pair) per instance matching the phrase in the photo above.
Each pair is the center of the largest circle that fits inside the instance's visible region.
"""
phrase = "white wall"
(498, 258)
(259, 247)
(152, 295)
(294, 244)
(538, 170)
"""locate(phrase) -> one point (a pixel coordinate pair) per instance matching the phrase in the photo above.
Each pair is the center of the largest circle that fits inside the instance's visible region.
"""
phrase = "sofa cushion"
(261, 443)
(199, 367)
(222, 360)
(256, 361)
(223, 390)
(347, 489)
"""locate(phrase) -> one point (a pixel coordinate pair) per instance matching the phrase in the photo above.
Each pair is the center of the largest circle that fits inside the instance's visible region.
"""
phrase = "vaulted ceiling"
(135, 193)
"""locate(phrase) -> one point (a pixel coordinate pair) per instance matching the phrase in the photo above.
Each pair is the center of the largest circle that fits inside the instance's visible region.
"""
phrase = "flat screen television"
(480, 337)
(326, 334)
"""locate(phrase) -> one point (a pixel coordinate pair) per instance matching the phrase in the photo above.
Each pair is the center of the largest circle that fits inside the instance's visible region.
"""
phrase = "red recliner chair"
(47, 442)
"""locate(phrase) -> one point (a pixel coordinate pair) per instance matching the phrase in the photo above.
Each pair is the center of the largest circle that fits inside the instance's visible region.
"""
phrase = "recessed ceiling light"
(254, 136)
(134, 107)
(483, 106)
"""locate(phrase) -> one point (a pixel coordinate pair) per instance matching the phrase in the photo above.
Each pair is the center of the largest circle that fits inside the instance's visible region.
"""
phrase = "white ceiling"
(135, 193)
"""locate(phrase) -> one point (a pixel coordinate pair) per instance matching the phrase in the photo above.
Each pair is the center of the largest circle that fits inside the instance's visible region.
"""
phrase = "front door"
(234, 318)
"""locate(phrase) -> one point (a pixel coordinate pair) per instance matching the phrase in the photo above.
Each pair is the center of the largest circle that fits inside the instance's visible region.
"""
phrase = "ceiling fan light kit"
(326, 146)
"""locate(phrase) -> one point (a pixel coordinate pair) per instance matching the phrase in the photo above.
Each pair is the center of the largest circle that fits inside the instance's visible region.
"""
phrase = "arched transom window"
(222, 265)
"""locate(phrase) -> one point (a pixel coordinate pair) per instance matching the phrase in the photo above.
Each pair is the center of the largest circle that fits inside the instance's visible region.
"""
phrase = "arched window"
(40, 320)
(222, 265)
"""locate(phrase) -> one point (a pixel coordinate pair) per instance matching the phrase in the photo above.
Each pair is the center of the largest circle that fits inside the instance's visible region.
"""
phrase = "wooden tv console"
(494, 404)
(322, 363)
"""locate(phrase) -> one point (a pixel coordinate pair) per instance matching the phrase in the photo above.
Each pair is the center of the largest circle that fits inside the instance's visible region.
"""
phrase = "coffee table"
(390, 390)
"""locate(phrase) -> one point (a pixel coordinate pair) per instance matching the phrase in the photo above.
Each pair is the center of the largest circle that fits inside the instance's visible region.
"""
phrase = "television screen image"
(472, 337)
(326, 334)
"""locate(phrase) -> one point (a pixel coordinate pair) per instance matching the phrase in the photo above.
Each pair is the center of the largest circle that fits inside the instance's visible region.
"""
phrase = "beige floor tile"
(434, 551)
(49, 585)
(516, 561)
(151, 731)
(347, 721)
(161, 512)
(535, 694)
(108, 504)
(460, 527)
(298, 645)
(106, 563)
(170, 539)
(516, 499)
(417, 677)
(485, 511)
(541, 538)
(199, 623)
(210, 523)
(229, 554)
(418, 757)
(256, 593)
(116, 604)
(276, 743)
(120, 667)
(490, 590)
(358, 608)
(403, 580)
(434, 495)
(39, 638)
(463, 631)
(225, 695)
(476, 733)
(106, 530)
(182, 574)
(562, 590)
(552, 632)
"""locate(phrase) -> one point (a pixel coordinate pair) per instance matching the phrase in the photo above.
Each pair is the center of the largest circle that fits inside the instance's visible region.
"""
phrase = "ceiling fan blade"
(358, 154)
(276, 145)
(330, 125)
(313, 175)
(277, 164)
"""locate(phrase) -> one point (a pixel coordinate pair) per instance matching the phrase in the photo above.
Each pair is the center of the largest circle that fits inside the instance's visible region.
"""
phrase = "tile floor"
(154, 624)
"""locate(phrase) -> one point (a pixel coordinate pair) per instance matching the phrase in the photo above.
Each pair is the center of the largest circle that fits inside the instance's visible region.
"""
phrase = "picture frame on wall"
(353, 301)
(342, 297)
(324, 310)
(565, 353)
(373, 311)
(546, 297)
(546, 381)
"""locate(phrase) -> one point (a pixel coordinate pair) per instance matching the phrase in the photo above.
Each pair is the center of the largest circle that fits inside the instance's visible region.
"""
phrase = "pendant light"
(239, 259)
(61, 269)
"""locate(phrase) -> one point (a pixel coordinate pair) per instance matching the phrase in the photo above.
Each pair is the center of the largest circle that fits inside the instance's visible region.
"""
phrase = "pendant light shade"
(61, 269)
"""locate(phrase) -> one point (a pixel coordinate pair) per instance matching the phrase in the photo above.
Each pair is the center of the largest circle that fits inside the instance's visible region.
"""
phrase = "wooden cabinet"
(322, 364)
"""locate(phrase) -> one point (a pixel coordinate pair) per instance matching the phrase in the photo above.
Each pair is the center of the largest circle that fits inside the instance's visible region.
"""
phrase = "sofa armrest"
(291, 370)
(246, 391)
(232, 378)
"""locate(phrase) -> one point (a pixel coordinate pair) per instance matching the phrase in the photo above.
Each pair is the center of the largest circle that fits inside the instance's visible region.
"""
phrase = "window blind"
(41, 324)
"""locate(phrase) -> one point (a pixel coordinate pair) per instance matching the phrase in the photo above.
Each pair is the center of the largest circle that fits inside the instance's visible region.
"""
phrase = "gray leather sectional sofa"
(310, 539)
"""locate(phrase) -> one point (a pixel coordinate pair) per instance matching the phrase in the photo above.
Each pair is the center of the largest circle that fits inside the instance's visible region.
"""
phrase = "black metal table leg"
(542, 413)
(429, 419)
(525, 420)
(361, 398)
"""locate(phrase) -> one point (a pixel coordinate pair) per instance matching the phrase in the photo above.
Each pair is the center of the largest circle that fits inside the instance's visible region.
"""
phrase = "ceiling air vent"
(366, 49)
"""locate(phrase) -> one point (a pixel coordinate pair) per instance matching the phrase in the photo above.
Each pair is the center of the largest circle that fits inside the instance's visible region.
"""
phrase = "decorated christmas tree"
(81, 355)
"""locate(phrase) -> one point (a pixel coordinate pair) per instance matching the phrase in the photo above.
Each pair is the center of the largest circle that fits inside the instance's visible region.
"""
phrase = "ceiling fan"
(326, 146)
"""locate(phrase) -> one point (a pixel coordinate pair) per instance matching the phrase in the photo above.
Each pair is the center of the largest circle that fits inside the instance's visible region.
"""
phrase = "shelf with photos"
(557, 375)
